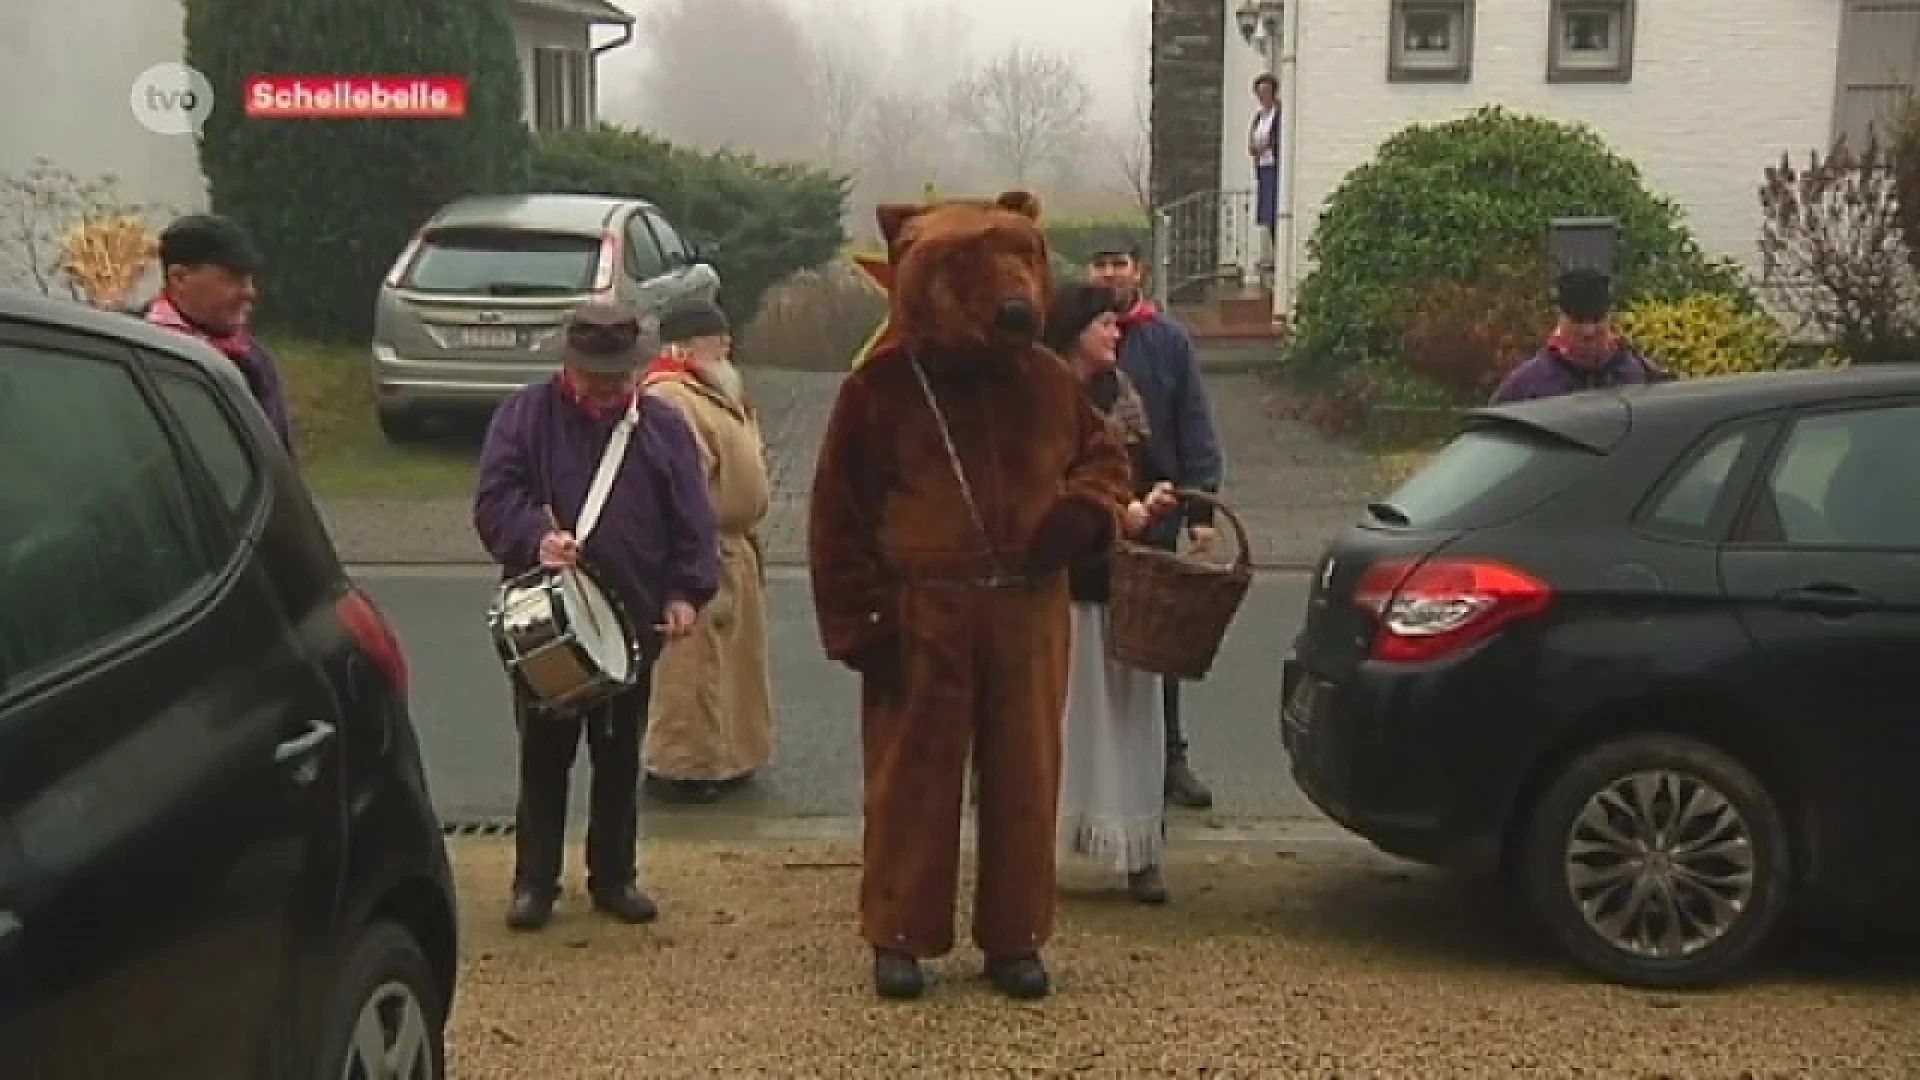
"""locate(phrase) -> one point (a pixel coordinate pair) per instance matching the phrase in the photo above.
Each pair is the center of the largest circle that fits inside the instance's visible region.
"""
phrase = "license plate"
(487, 337)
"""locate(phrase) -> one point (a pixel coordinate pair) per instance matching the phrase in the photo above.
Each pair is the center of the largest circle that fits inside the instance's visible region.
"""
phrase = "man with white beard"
(710, 721)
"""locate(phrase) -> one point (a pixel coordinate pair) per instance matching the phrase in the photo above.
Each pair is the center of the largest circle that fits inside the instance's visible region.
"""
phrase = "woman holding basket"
(1112, 804)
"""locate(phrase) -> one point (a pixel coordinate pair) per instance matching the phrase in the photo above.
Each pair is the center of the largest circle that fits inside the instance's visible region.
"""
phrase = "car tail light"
(1428, 610)
(609, 263)
(374, 635)
(405, 260)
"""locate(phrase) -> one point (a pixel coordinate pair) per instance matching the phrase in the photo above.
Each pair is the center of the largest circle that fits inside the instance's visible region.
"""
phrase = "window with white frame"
(562, 88)
(1591, 41)
(1432, 41)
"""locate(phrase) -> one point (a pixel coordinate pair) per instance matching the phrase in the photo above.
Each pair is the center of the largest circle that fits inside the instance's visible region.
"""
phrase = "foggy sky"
(1106, 39)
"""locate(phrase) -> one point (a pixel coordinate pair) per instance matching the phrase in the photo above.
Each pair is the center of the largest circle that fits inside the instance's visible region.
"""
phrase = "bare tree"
(901, 144)
(844, 88)
(1027, 107)
(1133, 154)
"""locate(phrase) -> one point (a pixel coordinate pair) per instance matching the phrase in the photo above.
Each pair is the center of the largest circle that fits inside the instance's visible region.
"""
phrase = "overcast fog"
(880, 89)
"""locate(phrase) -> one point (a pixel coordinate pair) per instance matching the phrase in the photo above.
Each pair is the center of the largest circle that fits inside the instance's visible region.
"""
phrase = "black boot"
(628, 904)
(897, 976)
(1023, 978)
(1184, 789)
(683, 792)
(530, 910)
(1147, 887)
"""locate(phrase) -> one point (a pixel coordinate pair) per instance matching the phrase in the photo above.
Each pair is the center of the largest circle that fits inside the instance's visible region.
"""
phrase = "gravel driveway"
(1292, 488)
(1265, 966)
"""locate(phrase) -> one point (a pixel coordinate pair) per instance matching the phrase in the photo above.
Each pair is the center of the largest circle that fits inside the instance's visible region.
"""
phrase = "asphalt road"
(460, 706)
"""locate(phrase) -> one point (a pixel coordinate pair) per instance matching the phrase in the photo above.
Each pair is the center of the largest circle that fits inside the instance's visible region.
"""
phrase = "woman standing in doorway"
(1263, 145)
(1112, 805)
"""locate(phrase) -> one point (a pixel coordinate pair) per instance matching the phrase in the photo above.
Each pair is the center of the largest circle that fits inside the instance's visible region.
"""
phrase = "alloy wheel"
(391, 1039)
(1660, 864)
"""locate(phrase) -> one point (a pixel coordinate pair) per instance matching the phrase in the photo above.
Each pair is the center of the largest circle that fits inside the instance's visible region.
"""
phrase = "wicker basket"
(1171, 611)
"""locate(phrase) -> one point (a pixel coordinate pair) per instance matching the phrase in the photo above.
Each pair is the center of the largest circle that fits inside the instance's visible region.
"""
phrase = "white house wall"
(67, 70)
(535, 32)
(1720, 89)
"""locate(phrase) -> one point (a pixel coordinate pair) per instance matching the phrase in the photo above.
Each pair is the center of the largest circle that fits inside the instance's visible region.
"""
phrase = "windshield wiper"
(1389, 514)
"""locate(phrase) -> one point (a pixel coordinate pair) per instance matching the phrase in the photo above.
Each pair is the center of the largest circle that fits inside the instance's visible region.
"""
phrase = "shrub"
(1835, 225)
(332, 203)
(816, 320)
(764, 221)
(1462, 337)
(1905, 158)
(1703, 334)
(1439, 201)
(40, 207)
(1073, 240)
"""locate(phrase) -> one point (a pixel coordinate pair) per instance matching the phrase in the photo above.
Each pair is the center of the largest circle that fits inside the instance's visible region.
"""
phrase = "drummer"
(652, 549)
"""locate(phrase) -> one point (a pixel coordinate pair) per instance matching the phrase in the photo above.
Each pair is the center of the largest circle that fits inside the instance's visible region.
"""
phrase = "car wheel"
(387, 1021)
(1658, 861)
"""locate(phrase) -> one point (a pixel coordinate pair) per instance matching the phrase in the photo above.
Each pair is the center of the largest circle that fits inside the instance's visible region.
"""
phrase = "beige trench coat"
(711, 716)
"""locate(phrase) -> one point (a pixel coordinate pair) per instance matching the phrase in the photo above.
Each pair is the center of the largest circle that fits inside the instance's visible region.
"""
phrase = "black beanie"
(693, 318)
(1583, 294)
(1072, 309)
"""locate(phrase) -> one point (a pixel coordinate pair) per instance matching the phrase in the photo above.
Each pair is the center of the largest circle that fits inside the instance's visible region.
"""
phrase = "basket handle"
(1243, 560)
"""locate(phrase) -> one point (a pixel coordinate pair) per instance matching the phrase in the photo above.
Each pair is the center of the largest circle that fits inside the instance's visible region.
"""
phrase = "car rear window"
(1485, 476)
(503, 262)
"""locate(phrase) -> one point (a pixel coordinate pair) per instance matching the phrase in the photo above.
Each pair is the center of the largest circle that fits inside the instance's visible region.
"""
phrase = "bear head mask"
(970, 279)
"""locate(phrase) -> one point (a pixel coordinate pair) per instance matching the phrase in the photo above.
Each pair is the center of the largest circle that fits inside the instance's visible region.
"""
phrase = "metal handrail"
(1201, 238)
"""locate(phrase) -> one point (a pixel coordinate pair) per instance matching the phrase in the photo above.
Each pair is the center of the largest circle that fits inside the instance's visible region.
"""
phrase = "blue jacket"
(1548, 374)
(1158, 356)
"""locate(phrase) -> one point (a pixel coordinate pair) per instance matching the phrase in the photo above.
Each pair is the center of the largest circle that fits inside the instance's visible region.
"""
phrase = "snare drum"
(564, 639)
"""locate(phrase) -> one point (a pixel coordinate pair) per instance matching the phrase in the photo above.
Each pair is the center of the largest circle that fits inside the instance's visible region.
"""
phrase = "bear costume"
(962, 470)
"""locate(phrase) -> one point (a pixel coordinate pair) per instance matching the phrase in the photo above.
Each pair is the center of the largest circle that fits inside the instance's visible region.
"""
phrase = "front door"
(1825, 571)
(176, 823)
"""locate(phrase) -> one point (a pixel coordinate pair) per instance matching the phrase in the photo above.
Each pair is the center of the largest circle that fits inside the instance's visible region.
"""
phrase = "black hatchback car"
(217, 854)
(1649, 651)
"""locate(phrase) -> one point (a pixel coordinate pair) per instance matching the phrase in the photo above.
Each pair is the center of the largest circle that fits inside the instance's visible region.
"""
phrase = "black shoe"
(628, 904)
(529, 910)
(682, 792)
(1023, 978)
(1147, 887)
(897, 976)
(1184, 789)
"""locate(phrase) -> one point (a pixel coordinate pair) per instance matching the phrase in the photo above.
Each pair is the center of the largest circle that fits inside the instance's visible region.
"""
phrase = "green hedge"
(1443, 202)
(1073, 240)
(766, 221)
(332, 202)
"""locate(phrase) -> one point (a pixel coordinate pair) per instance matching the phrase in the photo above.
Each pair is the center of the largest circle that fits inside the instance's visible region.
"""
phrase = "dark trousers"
(549, 742)
(1168, 539)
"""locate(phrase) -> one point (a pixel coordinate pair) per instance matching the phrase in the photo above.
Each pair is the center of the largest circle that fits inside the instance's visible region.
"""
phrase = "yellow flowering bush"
(1703, 334)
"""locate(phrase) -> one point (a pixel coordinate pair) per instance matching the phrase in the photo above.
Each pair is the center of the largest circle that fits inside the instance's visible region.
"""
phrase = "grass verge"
(342, 452)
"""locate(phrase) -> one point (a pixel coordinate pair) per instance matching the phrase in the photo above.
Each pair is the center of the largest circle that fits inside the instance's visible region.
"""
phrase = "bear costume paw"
(1072, 529)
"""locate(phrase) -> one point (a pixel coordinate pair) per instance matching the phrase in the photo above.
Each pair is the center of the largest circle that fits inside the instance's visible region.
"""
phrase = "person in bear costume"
(962, 470)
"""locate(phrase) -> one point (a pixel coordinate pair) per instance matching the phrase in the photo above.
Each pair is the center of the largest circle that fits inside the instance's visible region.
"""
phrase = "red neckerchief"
(1561, 346)
(1141, 311)
(573, 391)
(237, 346)
(667, 366)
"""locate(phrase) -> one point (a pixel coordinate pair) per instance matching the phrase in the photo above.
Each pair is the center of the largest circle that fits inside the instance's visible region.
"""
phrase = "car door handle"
(1824, 598)
(301, 747)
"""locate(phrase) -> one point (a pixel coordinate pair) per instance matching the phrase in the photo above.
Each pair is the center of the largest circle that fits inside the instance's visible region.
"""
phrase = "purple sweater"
(655, 542)
(1545, 374)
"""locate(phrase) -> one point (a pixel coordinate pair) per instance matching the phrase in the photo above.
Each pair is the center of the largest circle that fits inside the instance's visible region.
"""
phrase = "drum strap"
(610, 459)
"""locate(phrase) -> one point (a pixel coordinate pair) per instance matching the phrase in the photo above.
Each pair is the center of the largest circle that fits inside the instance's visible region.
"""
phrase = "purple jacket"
(655, 542)
(1546, 374)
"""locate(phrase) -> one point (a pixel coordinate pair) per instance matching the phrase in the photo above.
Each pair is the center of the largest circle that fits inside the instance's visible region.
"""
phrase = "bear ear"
(1024, 203)
(893, 221)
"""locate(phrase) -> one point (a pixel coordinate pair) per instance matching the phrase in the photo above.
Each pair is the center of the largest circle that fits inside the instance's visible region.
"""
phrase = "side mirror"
(703, 250)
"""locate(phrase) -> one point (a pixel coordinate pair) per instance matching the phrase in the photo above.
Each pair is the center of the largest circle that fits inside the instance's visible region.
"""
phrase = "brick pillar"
(1189, 62)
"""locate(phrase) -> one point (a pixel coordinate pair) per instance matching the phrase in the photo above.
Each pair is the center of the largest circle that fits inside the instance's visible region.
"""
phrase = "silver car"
(472, 309)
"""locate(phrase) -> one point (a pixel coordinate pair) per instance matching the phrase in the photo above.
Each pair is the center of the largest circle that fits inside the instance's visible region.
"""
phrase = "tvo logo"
(171, 99)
